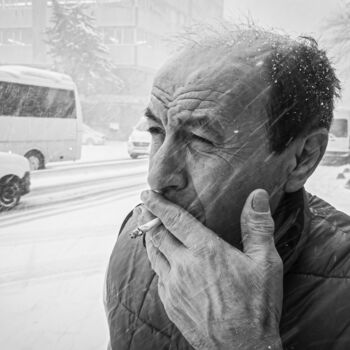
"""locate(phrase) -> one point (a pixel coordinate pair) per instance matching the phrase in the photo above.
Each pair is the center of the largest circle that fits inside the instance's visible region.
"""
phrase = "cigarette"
(141, 230)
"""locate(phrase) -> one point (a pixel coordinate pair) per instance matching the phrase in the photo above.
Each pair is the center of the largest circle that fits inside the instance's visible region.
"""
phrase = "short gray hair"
(302, 83)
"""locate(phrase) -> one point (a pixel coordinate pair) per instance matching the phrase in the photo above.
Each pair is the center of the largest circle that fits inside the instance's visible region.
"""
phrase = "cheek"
(155, 145)
(224, 187)
(212, 178)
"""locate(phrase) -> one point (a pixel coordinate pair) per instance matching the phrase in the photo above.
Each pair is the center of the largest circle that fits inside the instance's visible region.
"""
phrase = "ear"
(309, 151)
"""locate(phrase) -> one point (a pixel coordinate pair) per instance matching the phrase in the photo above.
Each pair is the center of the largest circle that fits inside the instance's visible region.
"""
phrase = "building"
(134, 30)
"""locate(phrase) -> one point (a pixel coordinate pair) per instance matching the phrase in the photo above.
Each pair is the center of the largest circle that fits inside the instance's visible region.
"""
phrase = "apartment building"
(134, 30)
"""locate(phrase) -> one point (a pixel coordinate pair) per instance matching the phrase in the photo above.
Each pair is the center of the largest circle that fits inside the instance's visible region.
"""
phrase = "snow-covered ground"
(52, 265)
(52, 261)
(325, 184)
(111, 150)
(52, 272)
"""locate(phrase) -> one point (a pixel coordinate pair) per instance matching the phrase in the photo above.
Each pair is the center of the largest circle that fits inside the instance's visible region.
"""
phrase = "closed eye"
(154, 130)
(201, 139)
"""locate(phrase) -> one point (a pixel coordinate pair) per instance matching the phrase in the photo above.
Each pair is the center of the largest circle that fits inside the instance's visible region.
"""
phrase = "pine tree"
(336, 36)
(77, 49)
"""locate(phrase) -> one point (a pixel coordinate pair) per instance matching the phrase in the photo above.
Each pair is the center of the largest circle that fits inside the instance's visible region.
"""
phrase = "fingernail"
(158, 191)
(260, 202)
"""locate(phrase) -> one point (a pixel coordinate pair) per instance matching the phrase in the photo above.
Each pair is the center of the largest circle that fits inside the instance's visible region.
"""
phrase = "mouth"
(195, 208)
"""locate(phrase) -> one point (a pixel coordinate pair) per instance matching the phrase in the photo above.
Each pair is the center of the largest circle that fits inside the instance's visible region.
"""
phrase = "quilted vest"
(313, 240)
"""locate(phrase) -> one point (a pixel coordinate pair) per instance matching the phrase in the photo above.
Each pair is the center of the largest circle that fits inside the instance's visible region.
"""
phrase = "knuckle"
(206, 250)
(267, 224)
(153, 255)
(157, 237)
(174, 218)
(260, 218)
(142, 215)
(154, 261)
(174, 292)
(148, 239)
(180, 269)
(152, 206)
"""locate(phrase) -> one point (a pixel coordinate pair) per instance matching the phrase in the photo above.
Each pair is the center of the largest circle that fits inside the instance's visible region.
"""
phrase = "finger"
(187, 229)
(159, 263)
(138, 214)
(161, 291)
(257, 225)
(168, 244)
(143, 215)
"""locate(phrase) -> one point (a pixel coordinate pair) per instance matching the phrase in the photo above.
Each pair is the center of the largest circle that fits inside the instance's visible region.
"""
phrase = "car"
(14, 179)
(92, 137)
(338, 149)
(139, 140)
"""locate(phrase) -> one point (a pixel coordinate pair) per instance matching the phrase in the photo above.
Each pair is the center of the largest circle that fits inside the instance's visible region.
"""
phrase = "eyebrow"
(198, 121)
(150, 115)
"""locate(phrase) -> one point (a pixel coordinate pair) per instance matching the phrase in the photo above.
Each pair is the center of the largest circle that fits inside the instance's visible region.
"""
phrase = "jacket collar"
(292, 221)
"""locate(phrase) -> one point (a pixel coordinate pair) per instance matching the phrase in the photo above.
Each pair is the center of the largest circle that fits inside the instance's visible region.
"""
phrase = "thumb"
(257, 225)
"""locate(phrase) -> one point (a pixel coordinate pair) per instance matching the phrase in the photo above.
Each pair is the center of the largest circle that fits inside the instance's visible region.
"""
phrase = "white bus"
(339, 135)
(40, 115)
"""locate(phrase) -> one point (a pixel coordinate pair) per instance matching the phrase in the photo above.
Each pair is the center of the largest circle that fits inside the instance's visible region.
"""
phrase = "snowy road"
(51, 276)
(70, 188)
(65, 194)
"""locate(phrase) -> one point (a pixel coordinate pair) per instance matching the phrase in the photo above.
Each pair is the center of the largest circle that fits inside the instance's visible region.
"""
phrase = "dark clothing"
(313, 240)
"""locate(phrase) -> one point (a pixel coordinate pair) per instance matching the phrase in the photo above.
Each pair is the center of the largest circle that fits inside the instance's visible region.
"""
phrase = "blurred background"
(134, 36)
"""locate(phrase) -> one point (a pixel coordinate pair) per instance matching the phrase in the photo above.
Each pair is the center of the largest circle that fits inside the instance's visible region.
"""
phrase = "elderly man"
(244, 258)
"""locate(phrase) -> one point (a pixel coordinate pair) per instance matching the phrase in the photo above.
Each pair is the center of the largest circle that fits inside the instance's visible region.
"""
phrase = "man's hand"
(217, 296)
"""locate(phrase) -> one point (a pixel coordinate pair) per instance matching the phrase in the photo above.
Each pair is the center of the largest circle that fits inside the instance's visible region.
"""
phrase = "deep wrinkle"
(204, 121)
(194, 116)
(205, 99)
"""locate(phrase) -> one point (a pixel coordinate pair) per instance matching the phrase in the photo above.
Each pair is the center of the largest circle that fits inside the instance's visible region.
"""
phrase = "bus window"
(36, 101)
(10, 98)
(339, 128)
(32, 101)
(60, 104)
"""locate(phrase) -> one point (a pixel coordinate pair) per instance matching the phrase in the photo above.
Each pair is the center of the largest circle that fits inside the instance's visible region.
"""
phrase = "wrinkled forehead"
(212, 80)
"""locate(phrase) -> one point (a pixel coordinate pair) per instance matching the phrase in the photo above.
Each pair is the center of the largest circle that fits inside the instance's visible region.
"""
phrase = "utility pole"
(39, 11)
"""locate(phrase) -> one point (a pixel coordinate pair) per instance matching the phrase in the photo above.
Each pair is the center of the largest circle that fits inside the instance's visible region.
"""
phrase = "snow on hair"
(301, 80)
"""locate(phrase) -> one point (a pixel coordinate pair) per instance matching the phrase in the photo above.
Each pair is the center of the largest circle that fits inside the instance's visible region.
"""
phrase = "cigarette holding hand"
(141, 230)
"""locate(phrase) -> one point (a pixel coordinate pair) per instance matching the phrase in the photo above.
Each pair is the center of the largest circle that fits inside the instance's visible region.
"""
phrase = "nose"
(167, 167)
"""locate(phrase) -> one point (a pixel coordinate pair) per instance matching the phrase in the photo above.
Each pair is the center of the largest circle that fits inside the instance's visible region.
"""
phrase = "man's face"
(209, 138)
